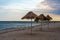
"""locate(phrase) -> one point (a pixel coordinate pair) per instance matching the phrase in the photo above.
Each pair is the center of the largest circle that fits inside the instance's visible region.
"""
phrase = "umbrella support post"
(41, 25)
(31, 26)
(48, 25)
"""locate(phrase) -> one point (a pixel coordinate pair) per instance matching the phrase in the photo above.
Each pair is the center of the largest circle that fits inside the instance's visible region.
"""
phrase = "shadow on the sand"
(29, 34)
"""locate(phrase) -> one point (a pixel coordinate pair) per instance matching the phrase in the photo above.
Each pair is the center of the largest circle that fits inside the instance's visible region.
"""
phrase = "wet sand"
(47, 33)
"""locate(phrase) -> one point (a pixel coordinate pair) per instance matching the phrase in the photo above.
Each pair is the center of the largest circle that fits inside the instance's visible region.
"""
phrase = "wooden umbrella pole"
(41, 25)
(48, 26)
(31, 25)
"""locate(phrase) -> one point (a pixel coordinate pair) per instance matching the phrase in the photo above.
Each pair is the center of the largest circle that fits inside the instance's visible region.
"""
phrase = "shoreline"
(53, 33)
(16, 29)
(6, 30)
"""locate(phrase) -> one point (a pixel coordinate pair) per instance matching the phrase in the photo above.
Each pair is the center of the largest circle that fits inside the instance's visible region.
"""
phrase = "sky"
(14, 10)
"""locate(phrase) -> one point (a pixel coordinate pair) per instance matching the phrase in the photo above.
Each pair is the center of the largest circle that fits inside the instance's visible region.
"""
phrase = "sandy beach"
(47, 33)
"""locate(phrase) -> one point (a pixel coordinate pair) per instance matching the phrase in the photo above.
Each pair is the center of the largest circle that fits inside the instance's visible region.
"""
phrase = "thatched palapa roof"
(29, 15)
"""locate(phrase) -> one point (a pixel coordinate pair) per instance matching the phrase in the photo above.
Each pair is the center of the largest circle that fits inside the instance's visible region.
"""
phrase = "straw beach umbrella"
(42, 18)
(48, 18)
(36, 19)
(30, 15)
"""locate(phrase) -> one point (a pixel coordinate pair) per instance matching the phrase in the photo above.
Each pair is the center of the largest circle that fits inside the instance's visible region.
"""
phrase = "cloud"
(53, 3)
(50, 6)
(15, 9)
(55, 17)
(47, 7)
(11, 15)
(19, 4)
(44, 6)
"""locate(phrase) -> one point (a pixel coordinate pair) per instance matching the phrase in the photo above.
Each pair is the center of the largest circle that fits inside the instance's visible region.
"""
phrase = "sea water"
(13, 24)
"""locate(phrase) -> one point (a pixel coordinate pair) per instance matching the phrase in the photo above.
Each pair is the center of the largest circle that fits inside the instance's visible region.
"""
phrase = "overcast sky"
(14, 10)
